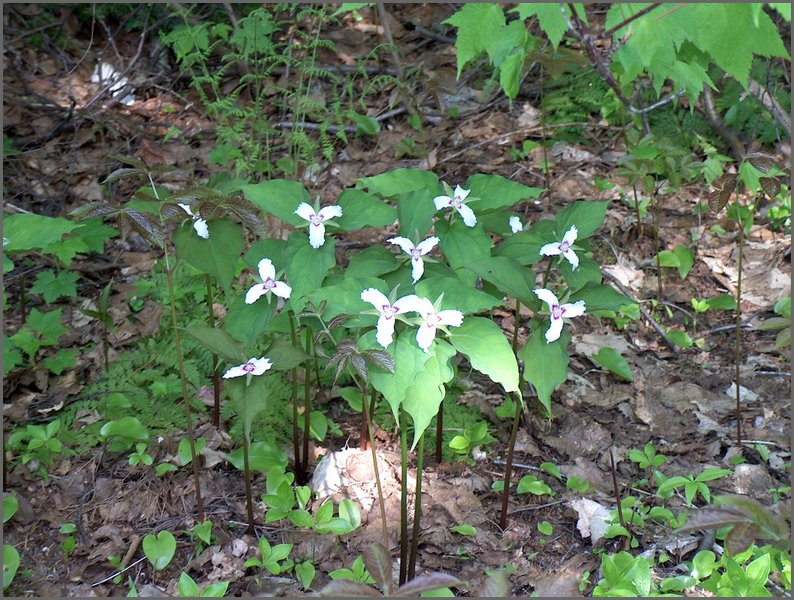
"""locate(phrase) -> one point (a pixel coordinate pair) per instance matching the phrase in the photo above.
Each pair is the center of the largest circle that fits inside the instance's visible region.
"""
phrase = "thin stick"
(509, 462)
(439, 431)
(307, 402)
(612, 30)
(249, 505)
(216, 380)
(381, 501)
(403, 497)
(738, 347)
(295, 431)
(617, 489)
(420, 456)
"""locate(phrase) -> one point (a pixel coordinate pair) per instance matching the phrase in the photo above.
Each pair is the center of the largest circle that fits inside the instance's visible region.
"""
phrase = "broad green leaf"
(247, 322)
(525, 247)
(587, 273)
(52, 285)
(484, 344)
(371, 262)
(217, 255)
(415, 211)
(400, 181)
(507, 275)
(610, 359)
(667, 258)
(215, 590)
(10, 564)
(269, 248)
(248, 398)
(462, 245)
(723, 301)
(360, 210)
(478, 26)
(318, 425)
(529, 484)
(187, 587)
(159, 549)
(345, 297)
(423, 398)
(278, 197)
(550, 18)
(34, 232)
(364, 124)
(64, 358)
(495, 191)
(599, 296)
(457, 295)
(464, 529)
(10, 506)
(545, 364)
(128, 427)
(587, 215)
(308, 269)
(349, 511)
(262, 456)
(219, 342)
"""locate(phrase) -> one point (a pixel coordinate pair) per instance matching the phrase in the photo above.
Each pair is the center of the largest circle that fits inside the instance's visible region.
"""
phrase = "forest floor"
(680, 400)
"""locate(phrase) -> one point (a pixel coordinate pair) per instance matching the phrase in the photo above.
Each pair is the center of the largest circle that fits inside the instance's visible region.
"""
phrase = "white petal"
(375, 297)
(570, 235)
(282, 290)
(571, 257)
(452, 318)
(404, 243)
(425, 336)
(427, 245)
(515, 224)
(305, 211)
(442, 202)
(234, 372)
(406, 304)
(417, 269)
(329, 212)
(260, 365)
(468, 215)
(186, 208)
(316, 235)
(554, 330)
(266, 269)
(200, 225)
(385, 329)
(423, 306)
(254, 293)
(577, 309)
(547, 296)
(550, 249)
(460, 193)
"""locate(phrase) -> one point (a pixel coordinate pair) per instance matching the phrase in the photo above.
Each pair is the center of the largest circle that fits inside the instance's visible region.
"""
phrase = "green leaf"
(598, 296)
(424, 397)
(400, 181)
(249, 399)
(462, 245)
(47, 324)
(464, 529)
(587, 273)
(668, 259)
(360, 210)
(758, 570)
(305, 573)
(215, 590)
(164, 468)
(545, 364)
(217, 255)
(126, 427)
(686, 258)
(159, 549)
(478, 26)
(183, 450)
(587, 215)
(301, 518)
(529, 484)
(64, 358)
(550, 17)
(364, 124)
(551, 469)
(10, 564)
(308, 269)
(484, 344)
(278, 197)
(248, 321)
(187, 587)
(371, 262)
(723, 301)
(457, 295)
(415, 211)
(610, 359)
(262, 456)
(349, 511)
(10, 506)
(52, 285)
(545, 528)
(495, 191)
(507, 275)
(318, 425)
(33, 232)
(525, 247)
(219, 342)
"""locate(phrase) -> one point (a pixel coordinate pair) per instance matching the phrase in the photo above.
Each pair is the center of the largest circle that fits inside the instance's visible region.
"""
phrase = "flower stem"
(403, 497)
(381, 500)
(509, 462)
(249, 503)
(363, 436)
(738, 347)
(516, 319)
(439, 431)
(295, 431)
(216, 380)
(420, 455)
(307, 401)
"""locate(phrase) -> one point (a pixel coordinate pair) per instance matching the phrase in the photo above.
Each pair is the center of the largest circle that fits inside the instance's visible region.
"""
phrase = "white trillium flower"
(388, 312)
(269, 284)
(515, 224)
(431, 320)
(457, 202)
(415, 252)
(558, 312)
(317, 221)
(564, 248)
(254, 366)
(199, 224)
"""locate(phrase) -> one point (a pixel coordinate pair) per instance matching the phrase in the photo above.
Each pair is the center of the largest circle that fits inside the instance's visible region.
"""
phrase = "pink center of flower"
(564, 246)
(268, 284)
(315, 219)
(416, 254)
(388, 311)
(556, 311)
(249, 367)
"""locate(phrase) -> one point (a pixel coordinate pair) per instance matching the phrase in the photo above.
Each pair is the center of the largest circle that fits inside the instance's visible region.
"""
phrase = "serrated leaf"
(720, 196)
(52, 285)
(757, 157)
(381, 358)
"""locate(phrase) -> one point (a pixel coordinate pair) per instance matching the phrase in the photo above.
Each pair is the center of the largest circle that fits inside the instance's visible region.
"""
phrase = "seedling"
(275, 559)
(188, 588)
(159, 549)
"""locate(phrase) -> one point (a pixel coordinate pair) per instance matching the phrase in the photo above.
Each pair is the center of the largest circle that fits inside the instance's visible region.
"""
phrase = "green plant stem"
(294, 373)
(183, 380)
(420, 456)
(403, 497)
(738, 346)
(637, 209)
(381, 500)
(249, 502)
(363, 436)
(546, 274)
(516, 319)
(216, 380)
(656, 241)
(307, 401)
(509, 461)
(439, 432)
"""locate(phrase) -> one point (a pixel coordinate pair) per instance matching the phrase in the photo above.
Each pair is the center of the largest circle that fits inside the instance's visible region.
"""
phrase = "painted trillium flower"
(564, 248)
(269, 284)
(388, 312)
(254, 366)
(415, 252)
(515, 224)
(431, 320)
(457, 202)
(199, 224)
(558, 312)
(317, 221)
